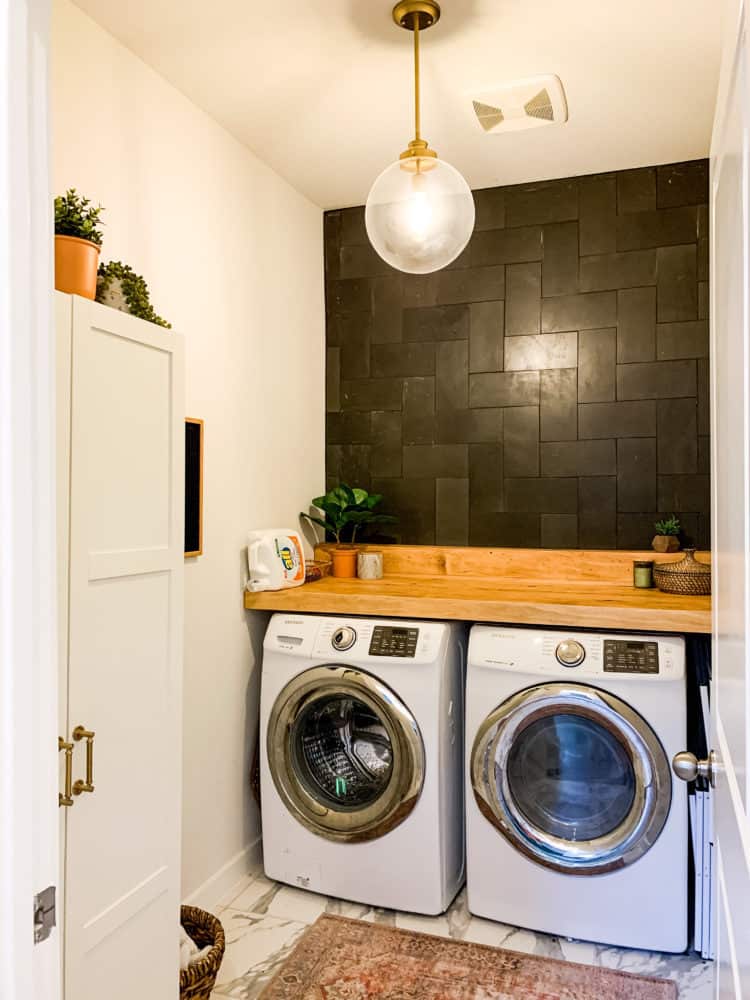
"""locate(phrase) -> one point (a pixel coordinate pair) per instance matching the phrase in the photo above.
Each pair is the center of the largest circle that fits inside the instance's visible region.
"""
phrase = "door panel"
(730, 402)
(126, 467)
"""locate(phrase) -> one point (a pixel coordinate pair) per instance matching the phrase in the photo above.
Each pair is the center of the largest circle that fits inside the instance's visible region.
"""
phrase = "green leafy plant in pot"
(121, 288)
(345, 511)
(78, 238)
(667, 537)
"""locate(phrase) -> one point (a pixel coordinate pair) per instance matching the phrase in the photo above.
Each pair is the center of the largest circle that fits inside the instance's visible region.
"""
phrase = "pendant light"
(420, 212)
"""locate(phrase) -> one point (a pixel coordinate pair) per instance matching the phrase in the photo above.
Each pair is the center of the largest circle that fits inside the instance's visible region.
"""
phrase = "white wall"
(233, 257)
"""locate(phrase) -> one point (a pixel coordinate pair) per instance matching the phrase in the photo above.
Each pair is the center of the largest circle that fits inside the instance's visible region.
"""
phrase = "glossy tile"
(266, 919)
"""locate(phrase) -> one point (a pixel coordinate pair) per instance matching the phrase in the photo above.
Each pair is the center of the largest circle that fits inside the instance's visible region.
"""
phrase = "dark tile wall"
(550, 388)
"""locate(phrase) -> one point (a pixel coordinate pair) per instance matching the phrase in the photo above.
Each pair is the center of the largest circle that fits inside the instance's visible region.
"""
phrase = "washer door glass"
(573, 777)
(343, 752)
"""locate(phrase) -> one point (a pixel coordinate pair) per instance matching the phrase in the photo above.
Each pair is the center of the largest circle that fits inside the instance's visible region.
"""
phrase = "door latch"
(45, 913)
(687, 767)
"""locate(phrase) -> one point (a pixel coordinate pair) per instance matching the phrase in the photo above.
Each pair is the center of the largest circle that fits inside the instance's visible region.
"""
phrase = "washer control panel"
(627, 656)
(389, 640)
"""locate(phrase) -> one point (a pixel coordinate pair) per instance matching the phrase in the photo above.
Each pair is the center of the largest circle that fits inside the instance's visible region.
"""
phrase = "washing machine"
(362, 758)
(576, 825)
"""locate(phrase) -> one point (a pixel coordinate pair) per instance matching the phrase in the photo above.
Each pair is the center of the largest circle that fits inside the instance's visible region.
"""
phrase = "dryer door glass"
(573, 777)
(343, 752)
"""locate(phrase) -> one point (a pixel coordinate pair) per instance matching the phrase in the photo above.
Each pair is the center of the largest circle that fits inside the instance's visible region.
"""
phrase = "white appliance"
(575, 823)
(362, 758)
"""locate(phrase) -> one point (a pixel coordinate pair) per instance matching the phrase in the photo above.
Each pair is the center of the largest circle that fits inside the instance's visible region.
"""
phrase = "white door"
(730, 289)
(125, 654)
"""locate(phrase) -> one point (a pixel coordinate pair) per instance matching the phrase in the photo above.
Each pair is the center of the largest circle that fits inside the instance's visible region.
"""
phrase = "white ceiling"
(322, 89)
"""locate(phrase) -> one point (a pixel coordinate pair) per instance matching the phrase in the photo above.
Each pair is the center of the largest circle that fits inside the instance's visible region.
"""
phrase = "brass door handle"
(65, 798)
(79, 733)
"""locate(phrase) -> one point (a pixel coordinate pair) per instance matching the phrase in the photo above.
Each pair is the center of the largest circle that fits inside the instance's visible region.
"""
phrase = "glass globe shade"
(419, 214)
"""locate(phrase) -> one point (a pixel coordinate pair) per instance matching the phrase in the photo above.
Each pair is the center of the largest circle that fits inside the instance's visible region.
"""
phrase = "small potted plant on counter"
(345, 511)
(77, 242)
(667, 537)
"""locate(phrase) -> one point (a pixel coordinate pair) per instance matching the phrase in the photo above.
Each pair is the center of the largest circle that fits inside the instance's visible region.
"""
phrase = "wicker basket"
(197, 982)
(688, 576)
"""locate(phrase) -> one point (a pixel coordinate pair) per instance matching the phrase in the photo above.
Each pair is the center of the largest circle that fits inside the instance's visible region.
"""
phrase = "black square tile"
(559, 531)
(452, 512)
(523, 303)
(677, 288)
(486, 335)
(560, 263)
(636, 474)
(521, 441)
(558, 410)
(435, 323)
(597, 350)
(636, 325)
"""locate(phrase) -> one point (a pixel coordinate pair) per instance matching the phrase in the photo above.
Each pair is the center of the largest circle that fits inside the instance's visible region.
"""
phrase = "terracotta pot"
(665, 543)
(345, 560)
(76, 264)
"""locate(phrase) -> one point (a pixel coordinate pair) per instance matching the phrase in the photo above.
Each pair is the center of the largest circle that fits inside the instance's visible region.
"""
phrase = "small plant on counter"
(77, 240)
(120, 287)
(667, 538)
(76, 216)
(345, 511)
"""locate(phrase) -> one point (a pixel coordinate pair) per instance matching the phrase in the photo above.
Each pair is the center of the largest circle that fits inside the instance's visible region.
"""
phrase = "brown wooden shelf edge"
(594, 597)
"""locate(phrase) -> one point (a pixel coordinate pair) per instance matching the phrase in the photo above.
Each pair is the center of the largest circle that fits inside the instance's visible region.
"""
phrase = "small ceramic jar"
(643, 573)
(370, 565)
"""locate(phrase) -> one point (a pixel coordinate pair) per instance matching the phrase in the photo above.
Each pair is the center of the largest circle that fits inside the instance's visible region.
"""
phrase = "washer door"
(573, 777)
(345, 754)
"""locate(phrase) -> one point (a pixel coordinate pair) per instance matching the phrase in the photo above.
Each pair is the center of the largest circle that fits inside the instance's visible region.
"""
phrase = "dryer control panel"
(630, 656)
(389, 640)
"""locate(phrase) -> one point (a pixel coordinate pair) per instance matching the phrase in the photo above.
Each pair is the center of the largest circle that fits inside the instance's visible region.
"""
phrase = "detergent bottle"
(275, 559)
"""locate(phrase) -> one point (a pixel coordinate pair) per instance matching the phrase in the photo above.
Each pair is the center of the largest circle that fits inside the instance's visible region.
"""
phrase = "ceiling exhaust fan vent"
(530, 103)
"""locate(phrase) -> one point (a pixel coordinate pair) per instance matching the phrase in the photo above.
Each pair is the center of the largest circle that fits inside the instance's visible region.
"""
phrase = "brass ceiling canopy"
(423, 12)
(416, 15)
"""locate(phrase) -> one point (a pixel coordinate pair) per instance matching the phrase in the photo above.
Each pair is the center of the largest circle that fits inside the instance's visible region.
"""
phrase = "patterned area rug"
(342, 959)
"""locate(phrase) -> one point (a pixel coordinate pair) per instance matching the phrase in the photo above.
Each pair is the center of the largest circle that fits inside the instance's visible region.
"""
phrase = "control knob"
(570, 653)
(343, 638)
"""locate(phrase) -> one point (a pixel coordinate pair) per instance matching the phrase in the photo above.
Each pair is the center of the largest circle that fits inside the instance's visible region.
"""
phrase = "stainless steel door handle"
(687, 767)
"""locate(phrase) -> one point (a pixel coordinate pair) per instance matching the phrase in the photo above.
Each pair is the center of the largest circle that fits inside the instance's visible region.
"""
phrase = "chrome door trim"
(653, 793)
(402, 792)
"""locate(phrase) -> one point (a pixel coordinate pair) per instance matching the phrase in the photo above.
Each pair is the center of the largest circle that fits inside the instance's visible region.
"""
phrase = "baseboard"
(209, 895)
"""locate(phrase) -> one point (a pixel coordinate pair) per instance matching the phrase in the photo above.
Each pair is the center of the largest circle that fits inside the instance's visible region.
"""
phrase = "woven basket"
(197, 982)
(688, 576)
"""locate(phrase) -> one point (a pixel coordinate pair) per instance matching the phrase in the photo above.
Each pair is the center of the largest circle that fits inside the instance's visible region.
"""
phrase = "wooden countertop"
(515, 586)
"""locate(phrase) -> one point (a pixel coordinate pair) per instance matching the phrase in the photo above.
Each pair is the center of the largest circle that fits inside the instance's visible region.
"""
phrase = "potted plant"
(345, 511)
(77, 242)
(667, 537)
(121, 288)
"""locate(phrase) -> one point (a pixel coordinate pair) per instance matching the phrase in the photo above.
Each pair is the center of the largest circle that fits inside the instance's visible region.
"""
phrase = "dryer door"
(573, 777)
(345, 753)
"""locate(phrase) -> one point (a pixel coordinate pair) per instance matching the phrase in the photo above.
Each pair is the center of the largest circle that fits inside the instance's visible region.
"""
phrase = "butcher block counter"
(567, 587)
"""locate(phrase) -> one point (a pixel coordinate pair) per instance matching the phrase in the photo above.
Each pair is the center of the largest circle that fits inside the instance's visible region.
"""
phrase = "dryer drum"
(573, 777)
(345, 753)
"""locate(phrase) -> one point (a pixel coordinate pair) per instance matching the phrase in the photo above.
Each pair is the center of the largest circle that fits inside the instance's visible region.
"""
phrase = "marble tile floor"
(263, 920)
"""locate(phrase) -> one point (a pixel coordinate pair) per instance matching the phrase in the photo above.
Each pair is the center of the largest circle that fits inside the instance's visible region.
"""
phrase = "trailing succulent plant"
(134, 291)
(346, 510)
(76, 216)
(669, 526)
